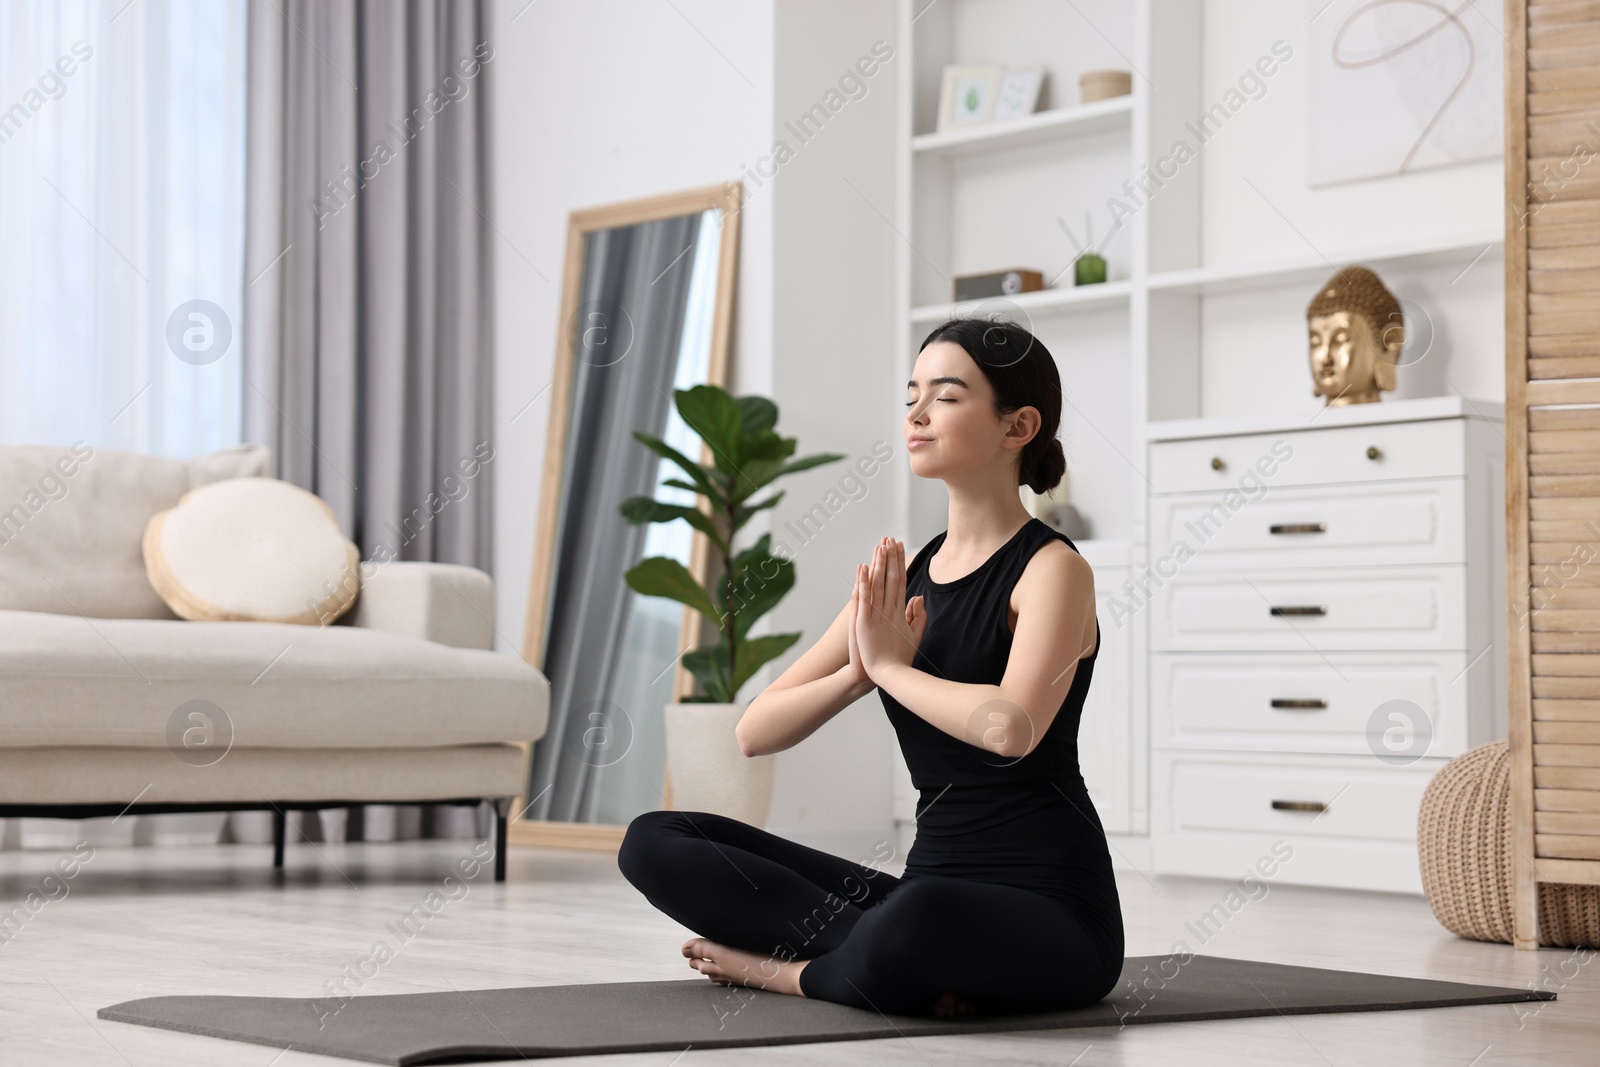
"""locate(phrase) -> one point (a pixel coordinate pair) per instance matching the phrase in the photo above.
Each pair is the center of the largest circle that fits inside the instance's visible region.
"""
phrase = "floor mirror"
(646, 308)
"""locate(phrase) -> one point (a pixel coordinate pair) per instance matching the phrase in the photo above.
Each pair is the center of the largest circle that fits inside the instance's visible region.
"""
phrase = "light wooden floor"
(211, 919)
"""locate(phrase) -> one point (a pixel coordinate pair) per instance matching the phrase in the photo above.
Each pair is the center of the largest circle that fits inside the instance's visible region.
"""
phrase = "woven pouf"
(1464, 847)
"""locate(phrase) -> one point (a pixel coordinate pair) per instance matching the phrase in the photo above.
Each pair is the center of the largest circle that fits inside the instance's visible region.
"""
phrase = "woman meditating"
(981, 650)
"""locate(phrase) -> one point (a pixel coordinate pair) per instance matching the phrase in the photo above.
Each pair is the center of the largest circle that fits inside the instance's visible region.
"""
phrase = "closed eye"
(940, 399)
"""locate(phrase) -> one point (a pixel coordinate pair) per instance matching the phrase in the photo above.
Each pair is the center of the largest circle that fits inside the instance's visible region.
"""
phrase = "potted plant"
(708, 771)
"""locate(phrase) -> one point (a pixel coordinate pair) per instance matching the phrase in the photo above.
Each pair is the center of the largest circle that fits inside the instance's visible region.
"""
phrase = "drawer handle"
(1373, 452)
(1298, 527)
(1299, 805)
(1216, 463)
(1300, 609)
(1289, 702)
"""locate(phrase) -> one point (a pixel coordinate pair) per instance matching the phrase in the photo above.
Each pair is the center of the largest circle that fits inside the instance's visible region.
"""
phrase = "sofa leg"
(502, 813)
(279, 829)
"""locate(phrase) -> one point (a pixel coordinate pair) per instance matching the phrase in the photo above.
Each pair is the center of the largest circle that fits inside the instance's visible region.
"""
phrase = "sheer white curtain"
(121, 203)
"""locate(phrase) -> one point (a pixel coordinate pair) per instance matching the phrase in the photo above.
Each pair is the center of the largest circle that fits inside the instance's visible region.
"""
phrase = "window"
(122, 135)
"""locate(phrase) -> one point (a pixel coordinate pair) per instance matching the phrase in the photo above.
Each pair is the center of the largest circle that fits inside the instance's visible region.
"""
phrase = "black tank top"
(1024, 821)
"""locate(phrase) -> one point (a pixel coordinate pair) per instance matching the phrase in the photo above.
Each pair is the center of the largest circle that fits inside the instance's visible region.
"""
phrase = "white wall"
(596, 102)
(608, 100)
(834, 380)
(1252, 363)
(1288, 216)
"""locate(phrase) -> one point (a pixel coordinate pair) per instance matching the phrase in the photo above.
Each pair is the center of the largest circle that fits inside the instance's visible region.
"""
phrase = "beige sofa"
(110, 703)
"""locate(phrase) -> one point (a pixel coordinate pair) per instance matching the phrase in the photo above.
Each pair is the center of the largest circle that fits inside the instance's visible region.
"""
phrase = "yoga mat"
(531, 1022)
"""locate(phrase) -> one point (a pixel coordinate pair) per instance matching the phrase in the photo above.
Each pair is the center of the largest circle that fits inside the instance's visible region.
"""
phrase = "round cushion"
(252, 549)
(1464, 847)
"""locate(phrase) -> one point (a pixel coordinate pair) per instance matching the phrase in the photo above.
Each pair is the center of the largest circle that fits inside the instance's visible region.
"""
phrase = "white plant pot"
(708, 771)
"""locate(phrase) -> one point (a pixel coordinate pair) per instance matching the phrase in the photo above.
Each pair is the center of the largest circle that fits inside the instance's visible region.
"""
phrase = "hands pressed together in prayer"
(885, 628)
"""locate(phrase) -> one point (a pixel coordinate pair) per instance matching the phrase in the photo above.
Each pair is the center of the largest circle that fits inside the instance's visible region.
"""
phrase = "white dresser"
(1325, 615)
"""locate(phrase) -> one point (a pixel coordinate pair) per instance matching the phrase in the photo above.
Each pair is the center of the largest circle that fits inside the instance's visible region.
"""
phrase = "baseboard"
(1131, 852)
(598, 837)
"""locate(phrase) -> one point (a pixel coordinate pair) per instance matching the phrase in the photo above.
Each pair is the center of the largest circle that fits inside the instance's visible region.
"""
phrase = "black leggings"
(875, 941)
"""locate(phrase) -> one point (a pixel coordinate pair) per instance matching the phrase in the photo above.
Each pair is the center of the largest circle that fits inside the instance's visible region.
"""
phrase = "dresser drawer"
(1432, 448)
(1377, 609)
(1362, 798)
(1411, 522)
(1340, 821)
(1339, 702)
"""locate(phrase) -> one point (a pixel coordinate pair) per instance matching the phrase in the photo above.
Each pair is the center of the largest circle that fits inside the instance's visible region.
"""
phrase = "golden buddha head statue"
(1357, 331)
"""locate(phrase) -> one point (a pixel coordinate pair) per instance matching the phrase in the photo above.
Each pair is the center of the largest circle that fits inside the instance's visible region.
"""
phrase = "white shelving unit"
(1039, 302)
(1055, 124)
(1310, 271)
(1183, 319)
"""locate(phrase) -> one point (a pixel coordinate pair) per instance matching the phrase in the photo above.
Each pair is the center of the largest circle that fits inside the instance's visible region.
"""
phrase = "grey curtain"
(367, 359)
(634, 294)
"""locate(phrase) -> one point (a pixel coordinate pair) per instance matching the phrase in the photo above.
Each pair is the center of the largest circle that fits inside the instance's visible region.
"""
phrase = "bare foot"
(950, 1004)
(733, 966)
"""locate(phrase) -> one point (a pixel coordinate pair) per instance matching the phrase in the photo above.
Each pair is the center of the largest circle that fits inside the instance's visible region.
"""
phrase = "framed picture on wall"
(1018, 93)
(1392, 89)
(967, 95)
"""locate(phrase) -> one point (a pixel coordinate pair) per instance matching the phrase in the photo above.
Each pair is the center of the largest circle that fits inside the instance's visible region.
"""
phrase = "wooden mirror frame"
(726, 198)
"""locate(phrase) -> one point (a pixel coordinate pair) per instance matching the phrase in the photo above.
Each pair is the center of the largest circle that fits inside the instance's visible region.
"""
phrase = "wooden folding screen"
(1552, 422)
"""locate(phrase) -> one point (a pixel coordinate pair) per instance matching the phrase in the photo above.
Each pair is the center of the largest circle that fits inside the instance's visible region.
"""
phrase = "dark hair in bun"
(1023, 374)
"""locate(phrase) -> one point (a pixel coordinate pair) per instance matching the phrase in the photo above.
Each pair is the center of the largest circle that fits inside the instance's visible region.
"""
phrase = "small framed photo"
(1018, 93)
(967, 95)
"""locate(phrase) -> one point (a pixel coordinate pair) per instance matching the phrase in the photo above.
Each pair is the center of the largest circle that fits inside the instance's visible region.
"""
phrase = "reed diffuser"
(1090, 267)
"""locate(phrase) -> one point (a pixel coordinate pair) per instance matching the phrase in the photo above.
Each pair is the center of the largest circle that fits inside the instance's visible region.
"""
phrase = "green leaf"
(808, 462)
(700, 475)
(760, 581)
(757, 651)
(665, 576)
(758, 414)
(760, 472)
(751, 554)
(709, 665)
(679, 483)
(745, 513)
(745, 453)
(642, 509)
(769, 445)
(714, 415)
(763, 461)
